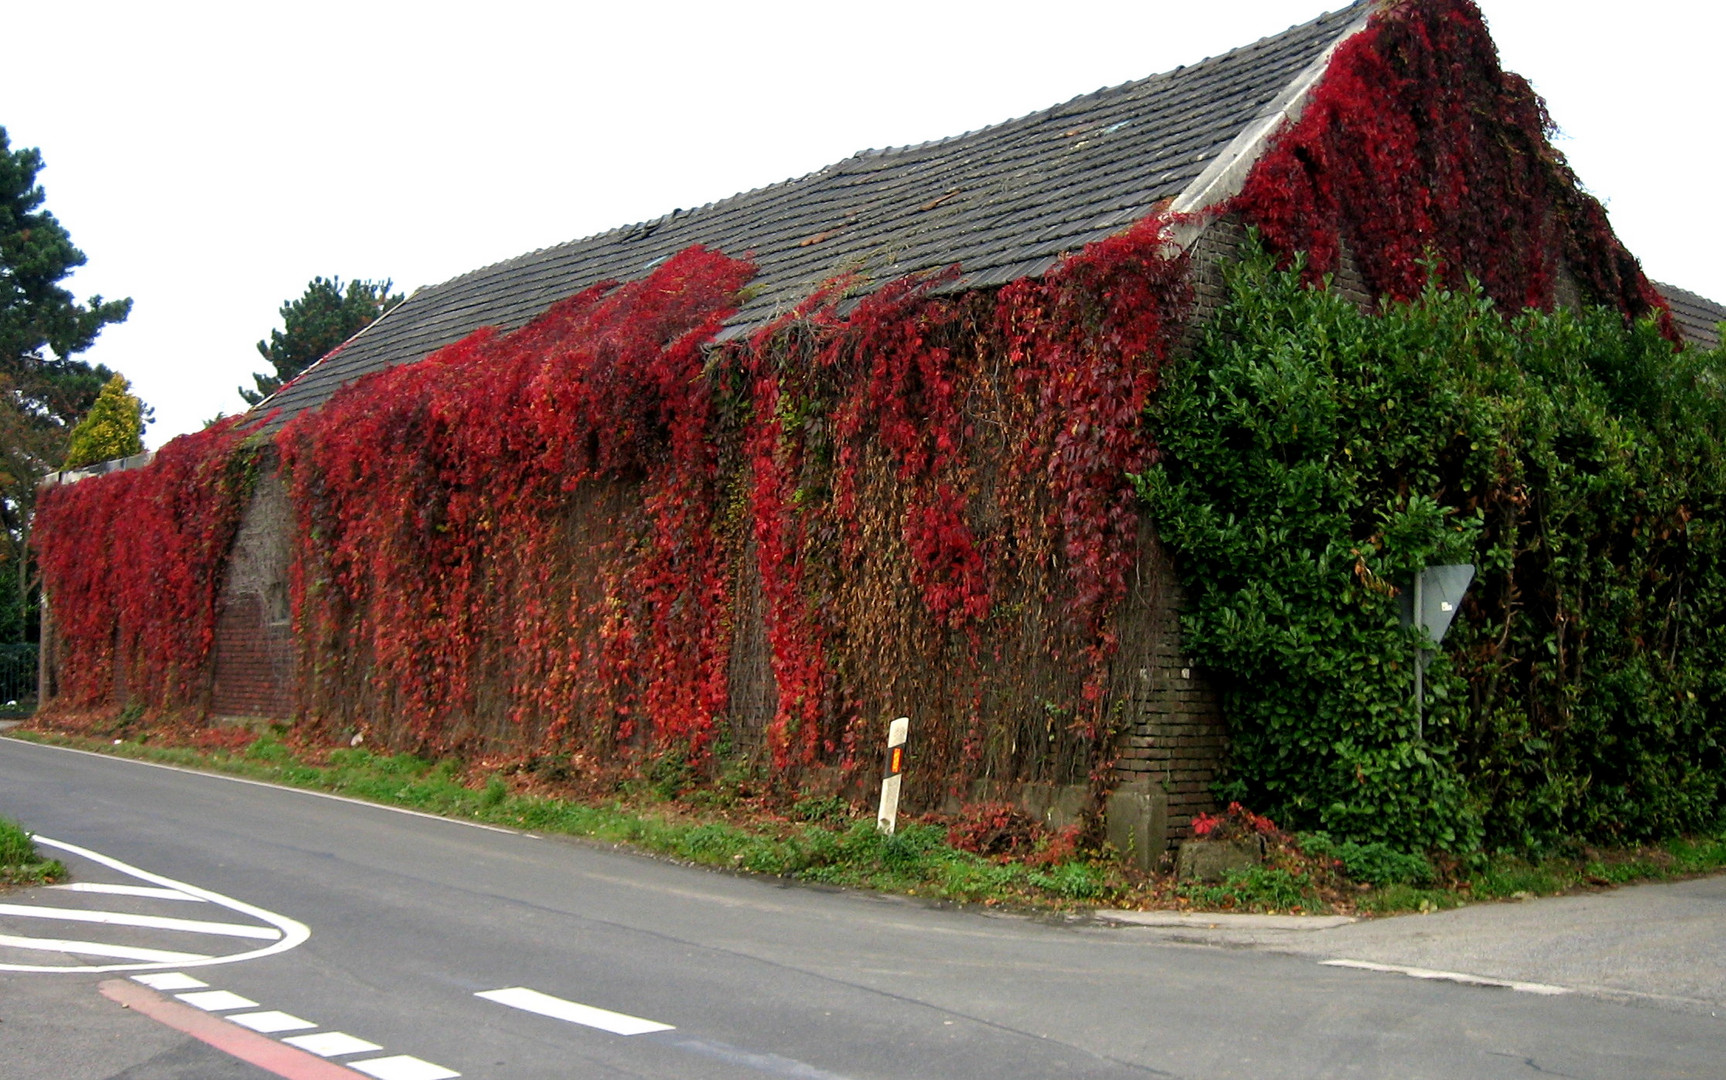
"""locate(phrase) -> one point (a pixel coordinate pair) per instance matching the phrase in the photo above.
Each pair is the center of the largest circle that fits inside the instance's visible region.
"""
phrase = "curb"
(1209, 920)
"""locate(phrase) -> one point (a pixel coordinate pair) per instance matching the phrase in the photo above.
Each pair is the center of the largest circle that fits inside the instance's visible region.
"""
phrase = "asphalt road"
(420, 940)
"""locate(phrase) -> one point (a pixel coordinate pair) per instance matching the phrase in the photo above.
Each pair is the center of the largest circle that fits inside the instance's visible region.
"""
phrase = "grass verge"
(824, 840)
(811, 839)
(20, 863)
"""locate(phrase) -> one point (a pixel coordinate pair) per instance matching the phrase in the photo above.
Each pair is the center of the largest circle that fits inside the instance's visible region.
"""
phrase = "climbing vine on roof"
(1416, 144)
(551, 539)
(521, 529)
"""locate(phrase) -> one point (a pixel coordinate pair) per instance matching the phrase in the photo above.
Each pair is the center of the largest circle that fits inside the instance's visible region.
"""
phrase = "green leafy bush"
(823, 810)
(1255, 888)
(1314, 457)
(1374, 863)
(1072, 880)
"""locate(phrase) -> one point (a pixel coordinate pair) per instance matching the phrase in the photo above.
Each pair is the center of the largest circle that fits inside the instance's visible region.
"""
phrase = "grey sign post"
(1431, 605)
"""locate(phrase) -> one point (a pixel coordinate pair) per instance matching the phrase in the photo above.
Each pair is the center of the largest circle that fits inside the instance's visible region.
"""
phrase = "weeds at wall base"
(822, 839)
(817, 839)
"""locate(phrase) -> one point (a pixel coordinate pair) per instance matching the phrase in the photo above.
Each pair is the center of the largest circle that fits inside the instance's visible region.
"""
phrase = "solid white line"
(126, 890)
(520, 997)
(331, 1044)
(170, 980)
(91, 948)
(293, 932)
(217, 1000)
(402, 1067)
(268, 1023)
(276, 787)
(1450, 976)
(152, 922)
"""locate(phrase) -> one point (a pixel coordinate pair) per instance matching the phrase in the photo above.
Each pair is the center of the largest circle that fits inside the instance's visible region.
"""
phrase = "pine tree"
(42, 326)
(44, 388)
(312, 326)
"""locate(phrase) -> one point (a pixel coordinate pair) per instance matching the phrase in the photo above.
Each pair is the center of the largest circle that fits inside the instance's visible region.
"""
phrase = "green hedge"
(1314, 456)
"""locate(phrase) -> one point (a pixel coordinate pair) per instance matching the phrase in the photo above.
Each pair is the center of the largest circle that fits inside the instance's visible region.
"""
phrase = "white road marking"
(169, 980)
(152, 922)
(217, 1000)
(92, 948)
(520, 997)
(402, 1067)
(268, 1023)
(279, 787)
(126, 890)
(331, 1044)
(325, 1044)
(1451, 976)
(293, 933)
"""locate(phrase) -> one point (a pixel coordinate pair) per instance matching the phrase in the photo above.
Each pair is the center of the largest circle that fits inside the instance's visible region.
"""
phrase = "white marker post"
(897, 732)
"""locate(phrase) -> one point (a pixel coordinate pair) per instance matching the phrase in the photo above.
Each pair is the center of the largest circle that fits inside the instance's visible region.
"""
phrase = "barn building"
(880, 499)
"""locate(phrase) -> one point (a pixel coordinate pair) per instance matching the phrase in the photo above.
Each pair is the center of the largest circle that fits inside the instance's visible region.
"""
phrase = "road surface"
(373, 942)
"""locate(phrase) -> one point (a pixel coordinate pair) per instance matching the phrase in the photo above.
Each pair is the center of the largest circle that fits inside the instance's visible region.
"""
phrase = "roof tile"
(1003, 202)
(1698, 317)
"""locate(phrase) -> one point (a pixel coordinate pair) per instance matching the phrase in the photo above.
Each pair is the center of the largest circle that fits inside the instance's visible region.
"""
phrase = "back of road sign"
(1439, 592)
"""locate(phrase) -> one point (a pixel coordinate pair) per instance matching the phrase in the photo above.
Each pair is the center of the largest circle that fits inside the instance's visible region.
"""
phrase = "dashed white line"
(152, 922)
(127, 890)
(92, 948)
(170, 980)
(1451, 976)
(520, 997)
(402, 1067)
(324, 1044)
(331, 1044)
(272, 1022)
(217, 1000)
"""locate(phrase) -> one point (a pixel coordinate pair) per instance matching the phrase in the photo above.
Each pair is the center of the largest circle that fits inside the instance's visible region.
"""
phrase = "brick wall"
(1174, 733)
(754, 692)
(253, 665)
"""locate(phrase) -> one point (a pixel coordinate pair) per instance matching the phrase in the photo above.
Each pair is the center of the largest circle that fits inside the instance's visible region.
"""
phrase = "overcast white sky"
(210, 160)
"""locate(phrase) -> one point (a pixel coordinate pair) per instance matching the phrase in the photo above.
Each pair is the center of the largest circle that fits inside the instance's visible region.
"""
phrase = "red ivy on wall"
(132, 565)
(1006, 423)
(432, 500)
(1085, 344)
(538, 538)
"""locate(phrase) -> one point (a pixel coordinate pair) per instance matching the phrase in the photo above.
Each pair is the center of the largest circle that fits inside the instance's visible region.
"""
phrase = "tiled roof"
(1698, 317)
(1004, 202)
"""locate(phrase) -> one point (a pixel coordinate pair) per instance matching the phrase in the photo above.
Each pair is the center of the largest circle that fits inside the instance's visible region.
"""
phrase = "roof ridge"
(1117, 88)
(650, 224)
(1666, 288)
(1005, 201)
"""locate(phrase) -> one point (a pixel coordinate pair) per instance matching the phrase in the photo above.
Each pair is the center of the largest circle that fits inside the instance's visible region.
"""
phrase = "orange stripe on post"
(887, 818)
